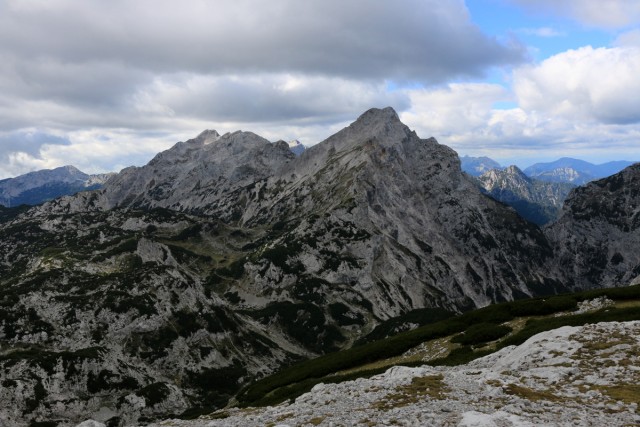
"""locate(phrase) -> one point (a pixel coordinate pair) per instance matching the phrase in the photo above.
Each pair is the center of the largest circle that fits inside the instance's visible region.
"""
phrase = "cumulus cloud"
(596, 13)
(92, 151)
(454, 110)
(269, 97)
(488, 119)
(584, 84)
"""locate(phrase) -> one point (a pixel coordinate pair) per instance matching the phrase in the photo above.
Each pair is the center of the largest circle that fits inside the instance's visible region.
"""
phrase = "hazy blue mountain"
(40, 186)
(476, 166)
(575, 171)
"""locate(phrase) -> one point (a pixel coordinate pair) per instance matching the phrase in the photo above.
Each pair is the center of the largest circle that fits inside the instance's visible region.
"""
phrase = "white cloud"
(596, 13)
(454, 110)
(584, 84)
(466, 117)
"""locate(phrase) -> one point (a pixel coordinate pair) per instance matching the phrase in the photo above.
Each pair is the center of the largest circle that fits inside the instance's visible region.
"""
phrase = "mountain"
(597, 236)
(537, 201)
(227, 257)
(296, 147)
(38, 187)
(574, 171)
(476, 166)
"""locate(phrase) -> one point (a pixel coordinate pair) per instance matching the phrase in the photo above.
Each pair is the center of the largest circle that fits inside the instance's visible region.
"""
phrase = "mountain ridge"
(229, 257)
(37, 187)
(535, 200)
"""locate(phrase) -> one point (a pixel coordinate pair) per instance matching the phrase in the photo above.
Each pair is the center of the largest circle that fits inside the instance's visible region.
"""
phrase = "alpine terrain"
(597, 235)
(228, 257)
(537, 201)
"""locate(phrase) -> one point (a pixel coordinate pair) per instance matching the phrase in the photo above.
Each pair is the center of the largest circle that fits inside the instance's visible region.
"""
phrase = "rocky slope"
(597, 236)
(227, 257)
(568, 376)
(537, 201)
(38, 187)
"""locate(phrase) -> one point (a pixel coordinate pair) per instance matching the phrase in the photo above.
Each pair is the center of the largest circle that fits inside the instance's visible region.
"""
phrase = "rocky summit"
(537, 201)
(597, 235)
(228, 257)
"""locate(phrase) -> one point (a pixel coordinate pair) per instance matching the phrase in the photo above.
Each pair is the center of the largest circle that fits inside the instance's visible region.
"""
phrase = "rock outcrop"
(597, 237)
(537, 201)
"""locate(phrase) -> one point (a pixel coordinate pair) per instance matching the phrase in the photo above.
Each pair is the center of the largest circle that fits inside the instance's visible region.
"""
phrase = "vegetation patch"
(290, 382)
(421, 388)
(530, 393)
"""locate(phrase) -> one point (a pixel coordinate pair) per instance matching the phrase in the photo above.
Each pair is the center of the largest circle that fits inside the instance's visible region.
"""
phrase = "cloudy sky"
(107, 84)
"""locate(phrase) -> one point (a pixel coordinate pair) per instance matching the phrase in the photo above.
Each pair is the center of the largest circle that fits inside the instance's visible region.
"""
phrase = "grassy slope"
(528, 317)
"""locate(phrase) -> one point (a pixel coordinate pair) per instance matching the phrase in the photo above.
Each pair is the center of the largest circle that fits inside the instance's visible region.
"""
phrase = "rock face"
(38, 187)
(540, 382)
(597, 237)
(537, 201)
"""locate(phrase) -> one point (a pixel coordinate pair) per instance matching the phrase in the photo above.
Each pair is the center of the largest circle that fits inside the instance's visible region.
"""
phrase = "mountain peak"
(378, 116)
(514, 170)
(208, 136)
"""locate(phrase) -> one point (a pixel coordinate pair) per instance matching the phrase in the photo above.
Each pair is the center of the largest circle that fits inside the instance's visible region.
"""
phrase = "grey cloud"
(270, 98)
(29, 142)
(417, 40)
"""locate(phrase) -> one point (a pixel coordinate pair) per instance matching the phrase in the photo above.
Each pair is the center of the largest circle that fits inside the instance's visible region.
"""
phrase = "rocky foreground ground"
(571, 376)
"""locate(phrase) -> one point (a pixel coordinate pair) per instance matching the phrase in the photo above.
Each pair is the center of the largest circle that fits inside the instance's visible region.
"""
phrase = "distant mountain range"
(565, 169)
(538, 192)
(38, 187)
(574, 171)
(535, 200)
(476, 166)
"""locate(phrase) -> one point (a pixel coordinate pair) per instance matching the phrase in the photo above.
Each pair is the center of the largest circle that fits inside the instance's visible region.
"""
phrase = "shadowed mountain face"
(536, 201)
(597, 237)
(228, 257)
